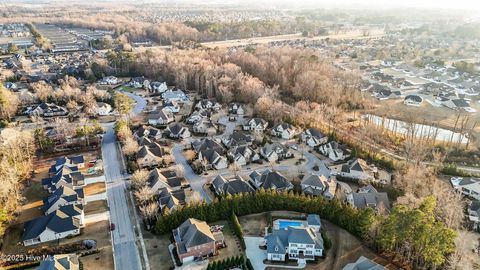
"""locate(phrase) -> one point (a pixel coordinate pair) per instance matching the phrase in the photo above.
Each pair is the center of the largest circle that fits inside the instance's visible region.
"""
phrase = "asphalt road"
(126, 254)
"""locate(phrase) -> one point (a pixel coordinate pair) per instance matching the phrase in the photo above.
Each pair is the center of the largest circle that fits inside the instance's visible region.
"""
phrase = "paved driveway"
(92, 180)
(254, 253)
(96, 197)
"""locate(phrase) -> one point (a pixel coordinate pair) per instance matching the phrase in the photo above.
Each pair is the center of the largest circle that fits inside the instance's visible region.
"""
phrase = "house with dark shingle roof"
(177, 131)
(369, 197)
(269, 179)
(54, 226)
(334, 151)
(235, 185)
(237, 138)
(71, 180)
(60, 262)
(242, 155)
(319, 185)
(61, 197)
(275, 151)
(150, 155)
(165, 178)
(193, 239)
(357, 169)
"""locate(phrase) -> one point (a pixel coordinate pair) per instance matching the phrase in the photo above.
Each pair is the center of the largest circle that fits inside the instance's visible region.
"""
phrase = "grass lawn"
(157, 250)
(346, 247)
(96, 207)
(128, 89)
(233, 247)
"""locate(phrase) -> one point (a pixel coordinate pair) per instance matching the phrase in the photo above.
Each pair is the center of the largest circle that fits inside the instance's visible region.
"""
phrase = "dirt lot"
(96, 207)
(346, 247)
(157, 250)
(94, 188)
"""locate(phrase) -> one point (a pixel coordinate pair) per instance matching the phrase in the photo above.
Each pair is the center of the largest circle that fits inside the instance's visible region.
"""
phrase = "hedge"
(356, 221)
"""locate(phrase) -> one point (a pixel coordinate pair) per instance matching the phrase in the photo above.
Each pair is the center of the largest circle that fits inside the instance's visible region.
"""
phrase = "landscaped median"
(357, 222)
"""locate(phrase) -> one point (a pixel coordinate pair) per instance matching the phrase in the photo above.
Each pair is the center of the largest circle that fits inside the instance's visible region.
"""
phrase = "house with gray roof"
(334, 151)
(193, 239)
(294, 243)
(61, 197)
(358, 169)
(232, 186)
(237, 138)
(369, 198)
(177, 131)
(242, 155)
(284, 130)
(313, 137)
(363, 263)
(275, 151)
(468, 186)
(269, 179)
(256, 125)
(319, 185)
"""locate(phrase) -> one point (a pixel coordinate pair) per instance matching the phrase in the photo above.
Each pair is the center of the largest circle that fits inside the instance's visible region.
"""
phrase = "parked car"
(112, 226)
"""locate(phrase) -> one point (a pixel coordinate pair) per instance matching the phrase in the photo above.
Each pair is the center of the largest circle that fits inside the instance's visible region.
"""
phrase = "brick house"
(193, 239)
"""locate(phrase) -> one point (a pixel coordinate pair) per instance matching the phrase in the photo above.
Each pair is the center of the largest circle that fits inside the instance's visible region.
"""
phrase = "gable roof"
(363, 263)
(269, 179)
(56, 221)
(231, 186)
(192, 233)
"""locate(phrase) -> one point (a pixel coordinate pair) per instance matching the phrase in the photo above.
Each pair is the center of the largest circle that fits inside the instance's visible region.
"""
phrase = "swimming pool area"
(285, 223)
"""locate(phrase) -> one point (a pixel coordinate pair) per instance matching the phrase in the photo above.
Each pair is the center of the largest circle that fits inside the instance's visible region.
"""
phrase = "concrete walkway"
(93, 218)
(96, 197)
(92, 180)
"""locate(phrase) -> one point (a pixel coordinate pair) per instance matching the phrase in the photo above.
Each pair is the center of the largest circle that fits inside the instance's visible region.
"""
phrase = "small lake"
(421, 131)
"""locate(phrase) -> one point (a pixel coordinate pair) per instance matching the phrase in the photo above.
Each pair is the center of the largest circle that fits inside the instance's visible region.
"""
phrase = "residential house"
(242, 155)
(150, 155)
(54, 226)
(474, 214)
(206, 104)
(60, 262)
(198, 116)
(213, 159)
(363, 263)
(171, 106)
(275, 151)
(413, 100)
(319, 185)
(110, 80)
(207, 143)
(467, 186)
(177, 131)
(357, 169)
(193, 239)
(255, 125)
(158, 87)
(313, 137)
(73, 163)
(159, 179)
(237, 138)
(236, 108)
(334, 151)
(177, 95)
(61, 197)
(269, 179)
(170, 199)
(147, 132)
(161, 117)
(294, 243)
(458, 104)
(103, 108)
(284, 130)
(369, 197)
(49, 110)
(71, 180)
(138, 82)
(231, 186)
(205, 127)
